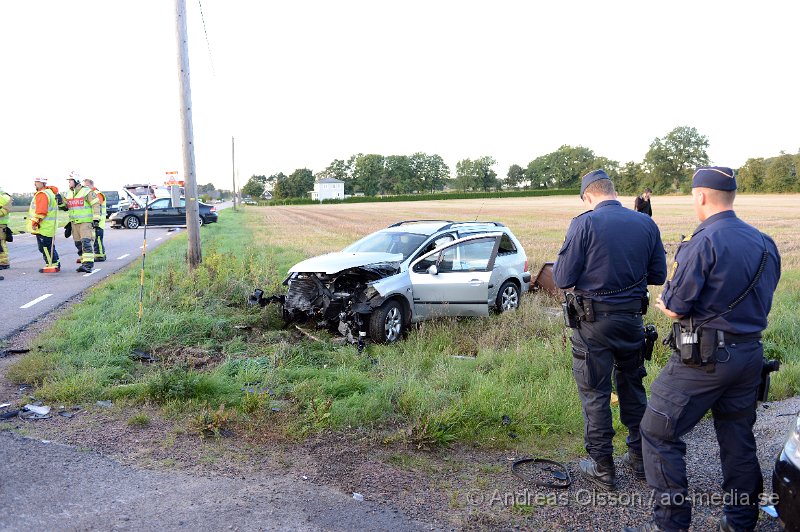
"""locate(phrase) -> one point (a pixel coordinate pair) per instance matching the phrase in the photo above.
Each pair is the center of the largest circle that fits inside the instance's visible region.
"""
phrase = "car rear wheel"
(507, 297)
(387, 324)
(131, 222)
(201, 222)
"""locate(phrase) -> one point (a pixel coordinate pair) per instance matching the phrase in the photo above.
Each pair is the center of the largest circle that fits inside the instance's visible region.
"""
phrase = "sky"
(92, 85)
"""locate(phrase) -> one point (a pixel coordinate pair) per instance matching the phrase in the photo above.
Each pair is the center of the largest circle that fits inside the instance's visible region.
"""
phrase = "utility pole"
(233, 171)
(194, 254)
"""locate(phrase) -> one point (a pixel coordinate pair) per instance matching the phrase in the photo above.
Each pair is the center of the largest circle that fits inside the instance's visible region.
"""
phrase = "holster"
(645, 303)
(650, 337)
(68, 230)
(9, 234)
(577, 309)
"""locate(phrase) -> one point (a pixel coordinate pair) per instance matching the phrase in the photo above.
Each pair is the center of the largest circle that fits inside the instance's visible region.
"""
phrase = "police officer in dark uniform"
(609, 256)
(720, 292)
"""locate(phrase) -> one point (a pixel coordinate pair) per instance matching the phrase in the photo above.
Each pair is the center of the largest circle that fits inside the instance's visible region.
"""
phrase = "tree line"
(667, 167)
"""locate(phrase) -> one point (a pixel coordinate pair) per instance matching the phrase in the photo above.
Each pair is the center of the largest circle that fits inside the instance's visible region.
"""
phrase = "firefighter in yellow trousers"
(5, 217)
(84, 217)
(99, 245)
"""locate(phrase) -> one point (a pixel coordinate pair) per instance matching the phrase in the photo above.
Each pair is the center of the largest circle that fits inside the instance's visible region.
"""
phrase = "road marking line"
(92, 272)
(122, 257)
(159, 238)
(37, 300)
(141, 247)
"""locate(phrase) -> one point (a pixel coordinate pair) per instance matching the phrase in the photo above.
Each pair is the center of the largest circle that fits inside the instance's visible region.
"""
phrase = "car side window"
(507, 246)
(437, 243)
(473, 256)
(162, 203)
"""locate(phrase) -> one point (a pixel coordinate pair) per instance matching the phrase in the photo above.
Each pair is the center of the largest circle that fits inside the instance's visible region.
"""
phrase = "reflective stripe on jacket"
(103, 207)
(5, 203)
(47, 223)
(79, 205)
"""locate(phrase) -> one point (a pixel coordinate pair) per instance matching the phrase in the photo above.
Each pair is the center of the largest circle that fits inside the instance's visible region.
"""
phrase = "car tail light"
(526, 266)
(213, 209)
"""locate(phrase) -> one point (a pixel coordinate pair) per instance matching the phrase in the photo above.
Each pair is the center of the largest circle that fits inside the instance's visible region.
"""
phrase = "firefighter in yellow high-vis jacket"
(84, 218)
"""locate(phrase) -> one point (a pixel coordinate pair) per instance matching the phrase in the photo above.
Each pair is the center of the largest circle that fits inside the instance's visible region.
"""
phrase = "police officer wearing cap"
(720, 293)
(609, 256)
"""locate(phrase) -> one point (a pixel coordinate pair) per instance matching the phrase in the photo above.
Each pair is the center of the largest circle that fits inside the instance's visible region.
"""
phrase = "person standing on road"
(5, 218)
(99, 246)
(609, 256)
(719, 292)
(84, 217)
(642, 203)
(41, 222)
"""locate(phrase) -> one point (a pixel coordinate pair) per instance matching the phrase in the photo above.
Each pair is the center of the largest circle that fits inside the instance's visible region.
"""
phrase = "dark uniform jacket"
(643, 205)
(715, 266)
(611, 248)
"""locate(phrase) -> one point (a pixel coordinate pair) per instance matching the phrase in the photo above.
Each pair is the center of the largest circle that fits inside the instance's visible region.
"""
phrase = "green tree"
(255, 186)
(430, 170)
(781, 174)
(750, 177)
(466, 175)
(205, 189)
(565, 166)
(671, 160)
(514, 176)
(399, 176)
(368, 172)
(631, 179)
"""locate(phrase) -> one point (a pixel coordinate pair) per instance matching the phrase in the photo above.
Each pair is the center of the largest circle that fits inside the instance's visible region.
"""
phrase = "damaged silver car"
(411, 271)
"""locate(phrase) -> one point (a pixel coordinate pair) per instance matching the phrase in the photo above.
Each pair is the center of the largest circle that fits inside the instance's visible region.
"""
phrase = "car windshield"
(389, 242)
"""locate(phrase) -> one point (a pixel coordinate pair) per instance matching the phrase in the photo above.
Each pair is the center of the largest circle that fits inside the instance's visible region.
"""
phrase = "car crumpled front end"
(340, 301)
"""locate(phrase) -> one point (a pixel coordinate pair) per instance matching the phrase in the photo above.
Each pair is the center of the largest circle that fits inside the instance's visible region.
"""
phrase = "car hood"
(336, 262)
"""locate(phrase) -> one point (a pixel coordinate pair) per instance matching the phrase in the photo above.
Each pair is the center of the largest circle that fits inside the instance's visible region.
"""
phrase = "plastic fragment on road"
(5, 405)
(358, 496)
(36, 409)
(105, 404)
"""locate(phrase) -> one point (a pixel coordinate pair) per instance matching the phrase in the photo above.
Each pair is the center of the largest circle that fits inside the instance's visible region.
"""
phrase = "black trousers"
(679, 398)
(44, 243)
(610, 348)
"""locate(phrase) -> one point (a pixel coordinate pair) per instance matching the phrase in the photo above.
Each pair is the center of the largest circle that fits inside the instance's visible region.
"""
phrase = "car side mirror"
(433, 270)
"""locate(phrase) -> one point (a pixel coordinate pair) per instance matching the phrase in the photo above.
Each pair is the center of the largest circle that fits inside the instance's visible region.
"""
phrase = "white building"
(328, 188)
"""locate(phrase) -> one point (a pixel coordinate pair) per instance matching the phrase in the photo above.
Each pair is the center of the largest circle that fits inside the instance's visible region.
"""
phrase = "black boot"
(86, 267)
(634, 463)
(599, 472)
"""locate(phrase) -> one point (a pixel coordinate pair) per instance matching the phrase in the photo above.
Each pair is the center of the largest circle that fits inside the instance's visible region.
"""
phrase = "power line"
(208, 44)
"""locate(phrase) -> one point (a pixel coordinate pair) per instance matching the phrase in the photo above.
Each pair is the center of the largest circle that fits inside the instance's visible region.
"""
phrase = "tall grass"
(504, 380)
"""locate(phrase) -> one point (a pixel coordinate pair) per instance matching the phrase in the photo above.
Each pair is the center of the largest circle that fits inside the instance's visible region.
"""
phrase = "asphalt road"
(26, 294)
(48, 486)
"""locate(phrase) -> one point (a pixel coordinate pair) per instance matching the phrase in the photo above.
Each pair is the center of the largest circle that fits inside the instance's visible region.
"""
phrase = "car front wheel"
(507, 297)
(131, 222)
(387, 324)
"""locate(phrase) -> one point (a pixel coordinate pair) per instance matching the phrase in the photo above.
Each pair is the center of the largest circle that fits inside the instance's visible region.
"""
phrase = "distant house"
(328, 188)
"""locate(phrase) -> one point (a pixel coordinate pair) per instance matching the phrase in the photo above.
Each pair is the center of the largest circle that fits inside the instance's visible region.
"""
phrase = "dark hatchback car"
(786, 479)
(160, 212)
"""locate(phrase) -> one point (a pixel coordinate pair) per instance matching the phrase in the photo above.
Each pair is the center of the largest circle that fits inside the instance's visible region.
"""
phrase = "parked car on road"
(408, 272)
(160, 212)
(786, 479)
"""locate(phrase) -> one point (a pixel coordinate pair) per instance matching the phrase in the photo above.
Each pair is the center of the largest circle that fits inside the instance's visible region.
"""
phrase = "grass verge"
(502, 381)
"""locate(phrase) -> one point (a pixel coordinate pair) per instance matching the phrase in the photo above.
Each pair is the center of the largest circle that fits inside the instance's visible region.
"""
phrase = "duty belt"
(620, 308)
(728, 338)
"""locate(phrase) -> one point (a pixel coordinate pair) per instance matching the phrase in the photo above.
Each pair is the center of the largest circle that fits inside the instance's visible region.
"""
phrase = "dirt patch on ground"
(453, 488)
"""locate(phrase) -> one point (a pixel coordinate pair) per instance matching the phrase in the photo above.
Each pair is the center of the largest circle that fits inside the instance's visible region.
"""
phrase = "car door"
(159, 212)
(454, 280)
